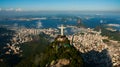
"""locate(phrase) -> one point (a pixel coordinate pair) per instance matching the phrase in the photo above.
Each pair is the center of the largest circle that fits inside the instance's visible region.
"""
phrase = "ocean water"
(91, 21)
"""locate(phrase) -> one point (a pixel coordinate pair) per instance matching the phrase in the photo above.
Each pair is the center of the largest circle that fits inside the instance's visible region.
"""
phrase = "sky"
(60, 5)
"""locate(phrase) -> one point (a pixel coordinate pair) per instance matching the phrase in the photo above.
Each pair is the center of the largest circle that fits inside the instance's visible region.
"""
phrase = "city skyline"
(59, 5)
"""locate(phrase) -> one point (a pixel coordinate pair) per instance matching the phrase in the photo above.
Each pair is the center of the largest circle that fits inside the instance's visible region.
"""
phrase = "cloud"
(12, 9)
(39, 24)
(9, 9)
(0, 9)
(18, 9)
(114, 25)
(78, 30)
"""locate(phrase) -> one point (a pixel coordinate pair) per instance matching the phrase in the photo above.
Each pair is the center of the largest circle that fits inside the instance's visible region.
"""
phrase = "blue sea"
(53, 21)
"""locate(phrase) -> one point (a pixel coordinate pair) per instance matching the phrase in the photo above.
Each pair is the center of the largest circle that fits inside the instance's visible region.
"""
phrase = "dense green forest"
(52, 52)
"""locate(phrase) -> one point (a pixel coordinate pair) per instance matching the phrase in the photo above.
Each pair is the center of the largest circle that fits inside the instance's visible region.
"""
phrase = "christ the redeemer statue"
(62, 29)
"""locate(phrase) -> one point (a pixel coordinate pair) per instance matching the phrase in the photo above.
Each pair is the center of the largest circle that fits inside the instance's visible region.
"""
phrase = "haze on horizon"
(59, 5)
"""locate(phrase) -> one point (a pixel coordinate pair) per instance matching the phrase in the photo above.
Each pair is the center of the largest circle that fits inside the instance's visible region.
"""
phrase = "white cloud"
(9, 9)
(39, 24)
(0, 9)
(114, 25)
(12, 9)
(78, 30)
(18, 9)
